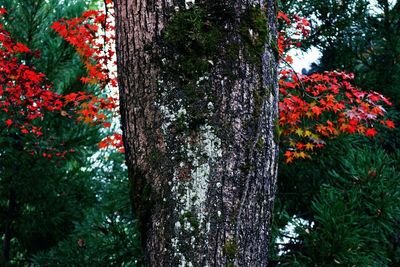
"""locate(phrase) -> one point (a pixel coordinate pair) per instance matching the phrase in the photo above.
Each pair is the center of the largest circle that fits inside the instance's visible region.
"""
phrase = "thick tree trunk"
(198, 90)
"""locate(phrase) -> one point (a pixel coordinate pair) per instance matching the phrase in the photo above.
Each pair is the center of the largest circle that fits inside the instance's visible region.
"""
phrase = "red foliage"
(26, 98)
(292, 32)
(114, 140)
(92, 35)
(96, 49)
(321, 106)
(317, 107)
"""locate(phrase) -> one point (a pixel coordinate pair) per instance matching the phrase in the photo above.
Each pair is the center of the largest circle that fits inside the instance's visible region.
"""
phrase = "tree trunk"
(198, 90)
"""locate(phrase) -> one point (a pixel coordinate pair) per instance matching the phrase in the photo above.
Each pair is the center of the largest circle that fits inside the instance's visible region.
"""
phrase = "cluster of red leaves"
(114, 140)
(26, 98)
(316, 107)
(24, 94)
(89, 107)
(93, 37)
(292, 32)
(96, 50)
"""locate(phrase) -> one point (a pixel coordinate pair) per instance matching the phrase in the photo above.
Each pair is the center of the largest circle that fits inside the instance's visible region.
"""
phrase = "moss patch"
(230, 250)
(195, 38)
(254, 31)
(190, 218)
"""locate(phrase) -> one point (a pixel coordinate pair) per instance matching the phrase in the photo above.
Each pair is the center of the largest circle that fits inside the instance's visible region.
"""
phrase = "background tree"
(42, 195)
(198, 104)
(346, 213)
(107, 234)
(358, 36)
(90, 217)
(341, 214)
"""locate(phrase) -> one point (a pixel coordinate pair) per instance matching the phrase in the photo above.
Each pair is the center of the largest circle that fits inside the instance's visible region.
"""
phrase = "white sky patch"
(374, 6)
(189, 3)
(290, 232)
(304, 59)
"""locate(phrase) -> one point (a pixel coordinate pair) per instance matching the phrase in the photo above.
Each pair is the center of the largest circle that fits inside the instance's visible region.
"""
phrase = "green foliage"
(305, 177)
(195, 38)
(230, 249)
(107, 235)
(192, 39)
(353, 217)
(343, 203)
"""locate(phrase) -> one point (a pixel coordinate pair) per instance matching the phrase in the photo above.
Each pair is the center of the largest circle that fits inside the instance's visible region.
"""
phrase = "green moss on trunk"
(195, 38)
(254, 31)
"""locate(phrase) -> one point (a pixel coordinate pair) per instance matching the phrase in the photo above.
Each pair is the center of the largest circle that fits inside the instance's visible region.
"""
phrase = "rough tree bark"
(198, 90)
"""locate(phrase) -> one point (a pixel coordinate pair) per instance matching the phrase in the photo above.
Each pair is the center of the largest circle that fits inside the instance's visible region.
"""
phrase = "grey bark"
(202, 167)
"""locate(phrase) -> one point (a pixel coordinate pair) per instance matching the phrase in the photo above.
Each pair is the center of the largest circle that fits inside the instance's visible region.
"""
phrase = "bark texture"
(198, 90)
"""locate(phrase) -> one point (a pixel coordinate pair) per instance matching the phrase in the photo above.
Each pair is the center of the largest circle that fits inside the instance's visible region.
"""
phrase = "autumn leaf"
(299, 132)
(370, 132)
(390, 124)
(309, 146)
(316, 110)
(9, 122)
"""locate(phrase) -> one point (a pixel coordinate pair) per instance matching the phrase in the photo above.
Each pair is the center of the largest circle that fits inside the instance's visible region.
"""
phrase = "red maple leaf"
(316, 110)
(370, 132)
(9, 122)
(390, 124)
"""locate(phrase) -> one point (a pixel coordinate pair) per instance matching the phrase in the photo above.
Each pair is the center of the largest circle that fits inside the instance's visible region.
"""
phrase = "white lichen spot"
(190, 181)
(251, 32)
(187, 225)
(201, 154)
(177, 225)
(201, 79)
(169, 113)
(202, 157)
